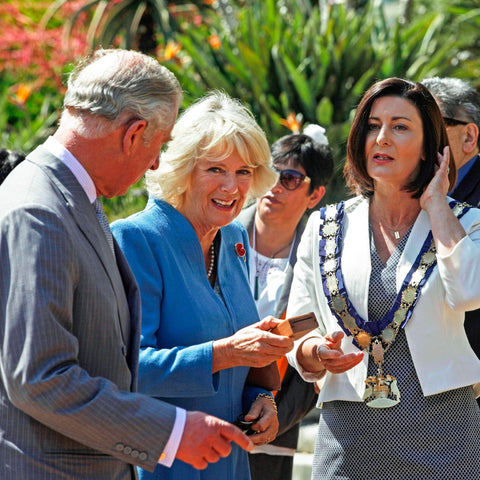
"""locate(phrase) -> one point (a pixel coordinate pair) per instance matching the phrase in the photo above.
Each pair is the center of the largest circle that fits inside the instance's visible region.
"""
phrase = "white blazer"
(440, 350)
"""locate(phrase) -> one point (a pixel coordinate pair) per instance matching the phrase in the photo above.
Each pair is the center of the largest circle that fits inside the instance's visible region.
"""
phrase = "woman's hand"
(446, 229)
(252, 346)
(266, 426)
(317, 356)
(436, 191)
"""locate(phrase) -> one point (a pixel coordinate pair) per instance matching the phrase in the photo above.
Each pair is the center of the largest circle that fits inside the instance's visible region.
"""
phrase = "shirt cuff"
(168, 456)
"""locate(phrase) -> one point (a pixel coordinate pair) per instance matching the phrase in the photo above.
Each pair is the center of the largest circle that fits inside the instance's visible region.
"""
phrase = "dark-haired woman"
(390, 274)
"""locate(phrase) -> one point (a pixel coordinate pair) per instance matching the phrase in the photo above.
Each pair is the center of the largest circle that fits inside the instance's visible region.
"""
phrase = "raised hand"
(447, 230)
(437, 189)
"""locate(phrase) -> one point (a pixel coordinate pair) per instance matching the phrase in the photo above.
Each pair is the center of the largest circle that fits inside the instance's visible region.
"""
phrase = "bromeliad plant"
(130, 24)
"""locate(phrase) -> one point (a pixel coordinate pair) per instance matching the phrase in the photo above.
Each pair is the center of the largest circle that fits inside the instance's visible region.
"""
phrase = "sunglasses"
(291, 179)
(452, 122)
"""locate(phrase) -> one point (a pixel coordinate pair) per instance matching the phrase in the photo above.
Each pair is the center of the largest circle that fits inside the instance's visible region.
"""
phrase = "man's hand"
(206, 439)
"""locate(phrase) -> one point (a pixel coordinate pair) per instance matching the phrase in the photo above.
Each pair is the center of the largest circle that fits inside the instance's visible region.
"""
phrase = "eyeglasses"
(452, 122)
(291, 179)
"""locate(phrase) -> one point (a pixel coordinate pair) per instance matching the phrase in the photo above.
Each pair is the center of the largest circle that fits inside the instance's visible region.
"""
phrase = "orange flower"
(22, 94)
(209, 2)
(292, 122)
(214, 41)
(171, 50)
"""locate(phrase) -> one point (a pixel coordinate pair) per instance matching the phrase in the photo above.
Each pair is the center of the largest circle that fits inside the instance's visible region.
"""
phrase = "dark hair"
(8, 161)
(315, 158)
(434, 136)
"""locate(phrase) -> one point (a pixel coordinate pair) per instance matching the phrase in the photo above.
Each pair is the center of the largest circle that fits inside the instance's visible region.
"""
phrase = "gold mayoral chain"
(374, 337)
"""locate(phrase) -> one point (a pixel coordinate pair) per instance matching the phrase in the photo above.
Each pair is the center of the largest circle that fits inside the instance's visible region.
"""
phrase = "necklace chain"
(212, 260)
(396, 230)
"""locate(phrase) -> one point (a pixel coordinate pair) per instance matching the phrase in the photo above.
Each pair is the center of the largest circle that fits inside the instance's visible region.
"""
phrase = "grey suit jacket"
(69, 338)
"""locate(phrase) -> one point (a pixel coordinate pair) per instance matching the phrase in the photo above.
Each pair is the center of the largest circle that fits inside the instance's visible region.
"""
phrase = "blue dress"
(182, 315)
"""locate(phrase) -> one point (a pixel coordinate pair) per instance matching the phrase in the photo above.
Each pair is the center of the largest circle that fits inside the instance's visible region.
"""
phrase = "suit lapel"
(134, 305)
(356, 263)
(282, 302)
(83, 212)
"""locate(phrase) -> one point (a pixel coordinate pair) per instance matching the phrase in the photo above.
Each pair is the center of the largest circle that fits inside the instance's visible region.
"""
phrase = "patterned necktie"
(102, 218)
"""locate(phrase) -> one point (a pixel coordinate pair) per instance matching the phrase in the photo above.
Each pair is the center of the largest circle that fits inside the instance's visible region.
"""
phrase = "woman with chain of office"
(389, 275)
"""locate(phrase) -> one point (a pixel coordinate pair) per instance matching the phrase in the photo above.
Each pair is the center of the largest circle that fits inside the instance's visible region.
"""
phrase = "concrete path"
(302, 462)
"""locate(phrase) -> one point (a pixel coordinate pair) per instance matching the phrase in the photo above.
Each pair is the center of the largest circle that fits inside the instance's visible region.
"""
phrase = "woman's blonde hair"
(213, 128)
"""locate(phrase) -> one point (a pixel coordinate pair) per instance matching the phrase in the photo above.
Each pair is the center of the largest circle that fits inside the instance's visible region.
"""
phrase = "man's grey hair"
(115, 86)
(457, 98)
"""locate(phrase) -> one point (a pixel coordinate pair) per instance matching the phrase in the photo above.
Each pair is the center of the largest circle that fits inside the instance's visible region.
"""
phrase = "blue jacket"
(182, 315)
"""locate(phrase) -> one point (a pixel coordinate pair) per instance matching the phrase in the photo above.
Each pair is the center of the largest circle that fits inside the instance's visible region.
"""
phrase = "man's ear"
(471, 137)
(133, 135)
(316, 196)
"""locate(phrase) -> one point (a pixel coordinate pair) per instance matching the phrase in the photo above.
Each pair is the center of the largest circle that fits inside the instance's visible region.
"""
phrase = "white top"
(436, 338)
(269, 274)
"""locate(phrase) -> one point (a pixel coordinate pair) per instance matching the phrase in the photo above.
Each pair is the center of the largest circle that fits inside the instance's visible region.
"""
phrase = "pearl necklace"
(212, 261)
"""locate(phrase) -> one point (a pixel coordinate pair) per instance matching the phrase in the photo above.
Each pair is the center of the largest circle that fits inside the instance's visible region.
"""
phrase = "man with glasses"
(460, 106)
(275, 224)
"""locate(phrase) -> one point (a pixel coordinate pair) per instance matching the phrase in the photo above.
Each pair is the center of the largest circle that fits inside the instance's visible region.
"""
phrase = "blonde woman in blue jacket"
(200, 328)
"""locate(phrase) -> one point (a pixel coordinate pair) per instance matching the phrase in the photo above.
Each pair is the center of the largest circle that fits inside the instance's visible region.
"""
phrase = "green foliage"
(462, 23)
(128, 204)
(23, 127)
(311, 59)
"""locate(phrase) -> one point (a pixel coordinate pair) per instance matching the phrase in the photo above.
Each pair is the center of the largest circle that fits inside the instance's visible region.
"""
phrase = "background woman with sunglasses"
(275, 225)
(389, 275)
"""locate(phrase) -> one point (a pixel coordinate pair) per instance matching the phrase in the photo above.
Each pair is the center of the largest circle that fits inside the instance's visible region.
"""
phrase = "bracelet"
(266, 395)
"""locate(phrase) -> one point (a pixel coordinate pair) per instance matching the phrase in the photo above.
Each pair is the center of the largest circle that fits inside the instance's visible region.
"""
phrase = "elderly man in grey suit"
(69, 305)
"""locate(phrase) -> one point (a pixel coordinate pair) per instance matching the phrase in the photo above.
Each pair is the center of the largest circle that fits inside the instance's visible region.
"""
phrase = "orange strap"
(282, 364)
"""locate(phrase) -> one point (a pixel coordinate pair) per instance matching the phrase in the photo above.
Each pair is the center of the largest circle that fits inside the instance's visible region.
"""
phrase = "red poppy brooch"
(240, 249)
